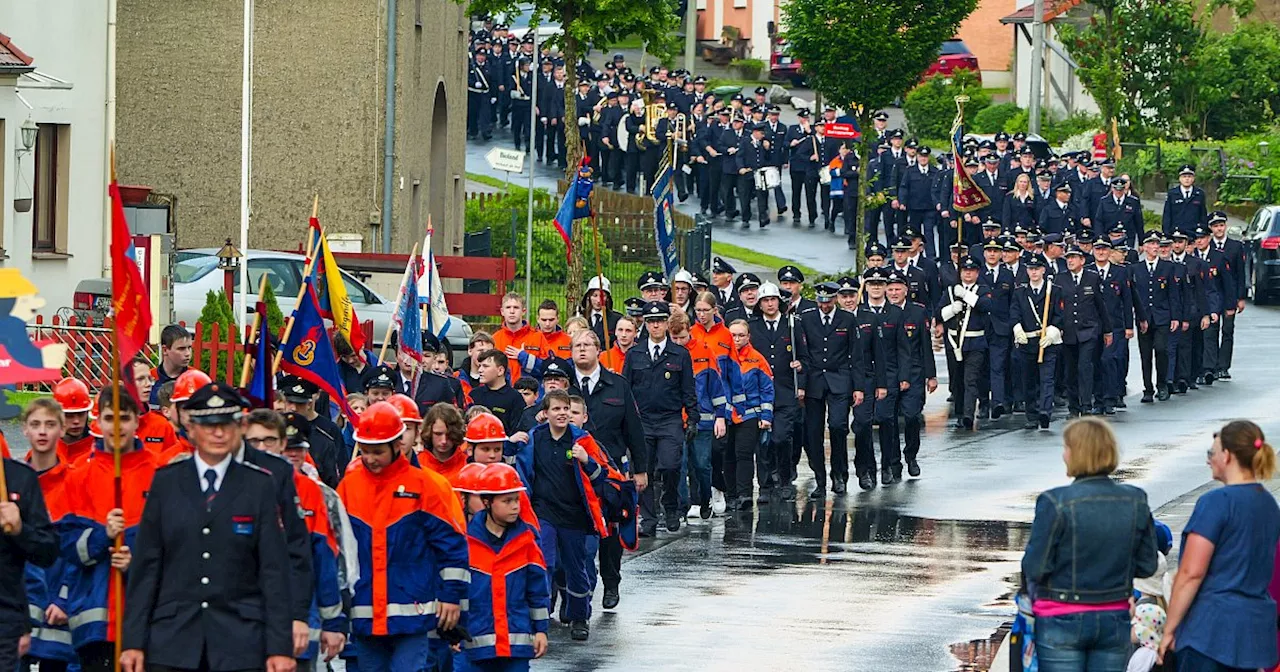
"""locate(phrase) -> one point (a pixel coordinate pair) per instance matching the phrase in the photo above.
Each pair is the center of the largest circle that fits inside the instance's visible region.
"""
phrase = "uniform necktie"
(657, 352)
(1151, 268)
(1075, 277)
(826, 320)
(773, 326)
(210, 488)
(586, 387)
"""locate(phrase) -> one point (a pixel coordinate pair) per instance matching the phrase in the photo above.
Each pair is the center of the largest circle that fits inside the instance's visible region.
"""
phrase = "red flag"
(966, 195)
(128, 295)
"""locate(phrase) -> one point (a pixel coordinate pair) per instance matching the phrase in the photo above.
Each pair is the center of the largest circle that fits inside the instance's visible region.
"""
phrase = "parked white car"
(196, 273)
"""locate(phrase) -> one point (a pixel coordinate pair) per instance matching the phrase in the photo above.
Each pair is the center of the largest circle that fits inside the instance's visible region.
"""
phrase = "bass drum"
(768, 177)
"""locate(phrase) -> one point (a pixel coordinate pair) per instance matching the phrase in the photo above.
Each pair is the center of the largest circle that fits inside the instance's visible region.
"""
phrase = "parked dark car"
(1261, 238)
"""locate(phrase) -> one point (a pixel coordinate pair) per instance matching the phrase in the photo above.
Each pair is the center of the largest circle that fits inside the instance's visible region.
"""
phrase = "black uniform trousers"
(520, 124)
(1154, 344)
(747, 192)
(665, 437)
(1210, 350)
(805, 181)
(911, 409)
(833, 411)
(1038, 377)
(539, 136)
(780, 462)
(479, 118)
(553, 135)
(884, 414)
(728, 194)
(973, 371)
(634, 159)
(1228, 346)
(1079, 369)
(922, 222)
(1190, 346)
(739, 459)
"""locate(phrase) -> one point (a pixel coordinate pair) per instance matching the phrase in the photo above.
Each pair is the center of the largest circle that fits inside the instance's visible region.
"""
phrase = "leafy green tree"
(1238, 82)
(216, 313)
(1096, 50)
(275, 318)
(863, 54)
(931, 107)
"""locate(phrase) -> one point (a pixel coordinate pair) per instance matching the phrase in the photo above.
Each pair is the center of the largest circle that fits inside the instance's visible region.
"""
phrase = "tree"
(1095, 48)
(863, 54)
(1238, 82)
(275, 318)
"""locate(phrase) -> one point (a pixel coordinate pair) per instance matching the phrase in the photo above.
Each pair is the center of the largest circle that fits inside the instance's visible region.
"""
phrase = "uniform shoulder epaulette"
(921, 305)
(259, 469)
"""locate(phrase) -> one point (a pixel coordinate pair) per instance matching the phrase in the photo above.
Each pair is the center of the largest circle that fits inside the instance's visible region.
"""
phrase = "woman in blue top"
(1221, 618)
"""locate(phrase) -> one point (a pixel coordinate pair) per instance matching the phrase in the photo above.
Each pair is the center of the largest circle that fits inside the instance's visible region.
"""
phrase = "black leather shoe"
(866, 481)
(1121, 404)
(913, 468)
(579, 631)
(1044, 421)
(1032, 423)
(1209, 378)
(818, 494)
(837, 486)
(1164, 394)
(1148, 397)
(886, 476)
(897, 473)
(997, 411)
(762, 497)
(611, 598)
(1180, 388)
(648, 529)
(1224, 375)
(1108, 410)
(966, 422)
(673, 521)
(782, 211)
(1018, 407)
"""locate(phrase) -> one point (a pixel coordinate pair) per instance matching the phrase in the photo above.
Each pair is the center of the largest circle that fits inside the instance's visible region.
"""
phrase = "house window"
(50, 193)
(740, 4)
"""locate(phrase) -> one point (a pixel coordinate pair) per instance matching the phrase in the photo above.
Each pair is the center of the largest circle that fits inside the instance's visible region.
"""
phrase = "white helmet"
(599, 282)
(769, 289)
(682, 276)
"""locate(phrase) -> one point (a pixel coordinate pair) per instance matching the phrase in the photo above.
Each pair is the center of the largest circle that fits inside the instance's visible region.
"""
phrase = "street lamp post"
(229, 264)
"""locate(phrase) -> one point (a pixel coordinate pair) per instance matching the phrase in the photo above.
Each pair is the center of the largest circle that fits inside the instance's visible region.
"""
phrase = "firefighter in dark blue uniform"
(963, 311)
(1200, 300)
(828, 350)
(1117, 297)
(480, 95)
(1157, 304)
(1085, 319)
(1038, 310)
(918, 372)
(773, 335)
(883, 347)
(1185, 205)
(1118, 208)
(661, 377)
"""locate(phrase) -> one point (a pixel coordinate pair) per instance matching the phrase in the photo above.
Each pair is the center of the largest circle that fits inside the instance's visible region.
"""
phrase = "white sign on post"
(506, 160)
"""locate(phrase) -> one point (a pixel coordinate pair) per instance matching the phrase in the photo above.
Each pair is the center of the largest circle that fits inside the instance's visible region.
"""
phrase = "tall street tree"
(861, 55)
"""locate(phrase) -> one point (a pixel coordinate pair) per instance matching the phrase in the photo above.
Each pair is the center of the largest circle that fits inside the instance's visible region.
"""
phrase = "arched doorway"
(439, 183)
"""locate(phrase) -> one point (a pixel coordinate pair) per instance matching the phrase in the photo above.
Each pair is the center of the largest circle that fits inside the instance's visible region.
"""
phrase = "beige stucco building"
(319, 115)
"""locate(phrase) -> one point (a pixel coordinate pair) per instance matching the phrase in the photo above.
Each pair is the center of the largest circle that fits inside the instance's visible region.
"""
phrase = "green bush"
(931, 107)
(275, 318)
(217, 311)
(993, 118)
(749, 68)
(1151, 220)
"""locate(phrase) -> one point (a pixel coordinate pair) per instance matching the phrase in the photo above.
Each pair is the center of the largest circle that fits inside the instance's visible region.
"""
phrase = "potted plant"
(747, 68)
(22, 205)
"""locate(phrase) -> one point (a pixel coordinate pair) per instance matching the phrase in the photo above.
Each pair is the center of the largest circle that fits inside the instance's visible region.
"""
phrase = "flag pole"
(117, 577)
(386, 338)
(595, 225)
(306, 273)
(257, 322)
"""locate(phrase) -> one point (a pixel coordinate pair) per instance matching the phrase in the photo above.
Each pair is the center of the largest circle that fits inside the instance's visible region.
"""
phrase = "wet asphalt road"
(891, 579)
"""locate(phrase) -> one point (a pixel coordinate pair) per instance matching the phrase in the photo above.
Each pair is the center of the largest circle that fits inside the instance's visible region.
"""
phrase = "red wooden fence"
(89, 348)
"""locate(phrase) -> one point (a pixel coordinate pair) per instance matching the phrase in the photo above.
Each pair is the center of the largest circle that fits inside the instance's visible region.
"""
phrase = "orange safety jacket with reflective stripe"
(412, 547)
(524, 338)
(510, 598)
(717, 339)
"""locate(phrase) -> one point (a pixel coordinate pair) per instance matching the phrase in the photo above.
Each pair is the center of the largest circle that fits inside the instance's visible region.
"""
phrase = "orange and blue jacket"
(613, 359)
(510, 598)
(44, 585)
(86, 550)
(750, 383)
(539, 348)
(448, 468)
(412, 547)
(589, 475)
(72, 451)
(526, 338)
(717, 338)
(713, 402)
(156, 432)
(326, 598)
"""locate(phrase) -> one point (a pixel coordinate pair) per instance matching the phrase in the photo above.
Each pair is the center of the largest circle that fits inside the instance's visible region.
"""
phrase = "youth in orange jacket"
(515, 336)
(50, 638)
(94, 522)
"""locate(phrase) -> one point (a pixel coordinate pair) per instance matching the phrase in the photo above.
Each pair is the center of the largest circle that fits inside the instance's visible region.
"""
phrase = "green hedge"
(1243, 156)
(930, 108)
(993, 118)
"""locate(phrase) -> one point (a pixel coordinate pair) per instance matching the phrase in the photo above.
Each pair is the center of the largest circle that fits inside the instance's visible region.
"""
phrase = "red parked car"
(953, 55)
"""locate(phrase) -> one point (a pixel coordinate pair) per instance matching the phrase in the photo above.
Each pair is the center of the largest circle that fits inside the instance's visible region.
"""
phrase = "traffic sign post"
(507, 160)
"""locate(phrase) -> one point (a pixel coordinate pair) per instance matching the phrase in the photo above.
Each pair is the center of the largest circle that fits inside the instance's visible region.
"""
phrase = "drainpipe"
(389, 139)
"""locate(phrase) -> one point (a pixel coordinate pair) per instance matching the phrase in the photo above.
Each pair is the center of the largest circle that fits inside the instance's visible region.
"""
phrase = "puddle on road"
(977, 655)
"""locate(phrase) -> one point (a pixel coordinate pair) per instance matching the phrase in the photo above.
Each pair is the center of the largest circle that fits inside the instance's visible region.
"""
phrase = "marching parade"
(547, 499)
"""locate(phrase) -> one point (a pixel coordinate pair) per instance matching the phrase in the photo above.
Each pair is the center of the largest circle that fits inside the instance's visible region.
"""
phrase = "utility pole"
(690, 33)
(1037, 65)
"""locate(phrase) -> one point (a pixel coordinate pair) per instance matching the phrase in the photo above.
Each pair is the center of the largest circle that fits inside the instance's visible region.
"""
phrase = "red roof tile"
(11, 57)
(1052, 10)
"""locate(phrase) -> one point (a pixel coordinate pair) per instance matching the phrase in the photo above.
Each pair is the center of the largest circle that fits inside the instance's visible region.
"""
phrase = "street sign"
(506, 160)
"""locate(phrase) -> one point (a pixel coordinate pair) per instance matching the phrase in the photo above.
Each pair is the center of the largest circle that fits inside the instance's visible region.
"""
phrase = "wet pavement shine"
(917, 576)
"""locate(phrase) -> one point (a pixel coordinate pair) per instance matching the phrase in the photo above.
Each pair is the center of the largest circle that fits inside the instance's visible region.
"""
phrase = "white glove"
(969, 297)
(951, 310)
(1052, 335)
(1019, 334)
(515, 95)
(583, 121)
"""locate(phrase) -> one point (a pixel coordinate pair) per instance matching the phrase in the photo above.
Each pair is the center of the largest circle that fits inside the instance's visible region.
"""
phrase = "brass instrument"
(648, 135)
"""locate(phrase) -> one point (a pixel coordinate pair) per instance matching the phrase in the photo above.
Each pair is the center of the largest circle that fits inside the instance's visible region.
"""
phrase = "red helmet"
(468, 479)
(499, 478)
(187, 384)
(407, 407)
(95, 430)
(485, 427)
(380, 423)
(73, 395)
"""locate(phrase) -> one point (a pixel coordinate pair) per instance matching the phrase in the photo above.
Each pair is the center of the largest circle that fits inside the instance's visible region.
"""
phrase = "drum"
(772, 177)
(824, 175)
(759, 179)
